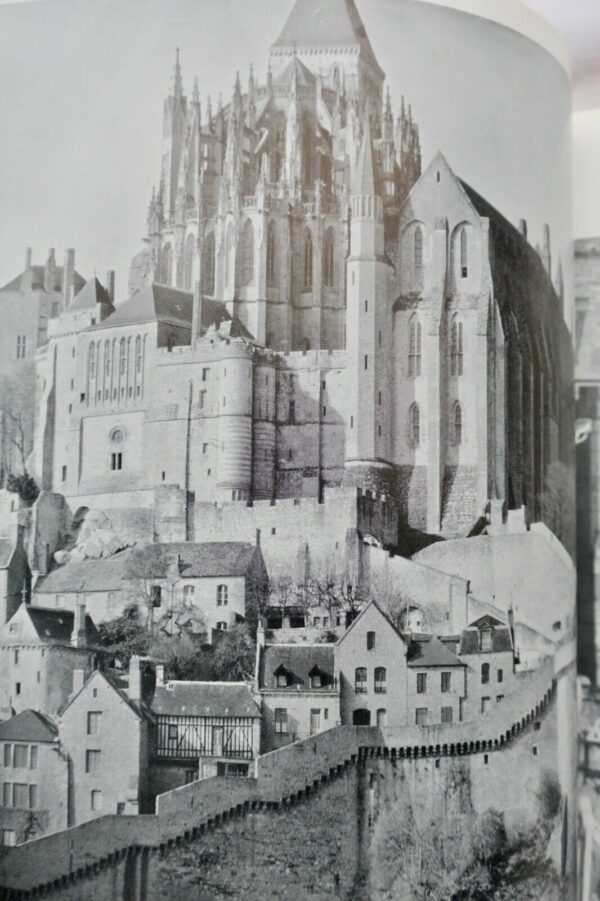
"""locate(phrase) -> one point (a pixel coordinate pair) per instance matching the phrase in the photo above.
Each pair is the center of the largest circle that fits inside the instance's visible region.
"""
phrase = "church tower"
(368, 332)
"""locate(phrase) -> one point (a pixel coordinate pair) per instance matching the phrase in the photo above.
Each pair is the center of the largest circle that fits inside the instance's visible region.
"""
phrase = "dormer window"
(316, 681)
(282, 677)
(485, 639)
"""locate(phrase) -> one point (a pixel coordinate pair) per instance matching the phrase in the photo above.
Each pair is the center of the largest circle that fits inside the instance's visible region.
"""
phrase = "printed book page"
(291, 321)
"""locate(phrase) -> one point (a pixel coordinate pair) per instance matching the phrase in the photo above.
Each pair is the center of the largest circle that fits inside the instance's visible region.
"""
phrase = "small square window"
(96, 800)
(172, 733)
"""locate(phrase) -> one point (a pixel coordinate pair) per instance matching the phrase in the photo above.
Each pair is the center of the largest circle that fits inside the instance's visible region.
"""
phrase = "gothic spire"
(364, 182)
(178, 81)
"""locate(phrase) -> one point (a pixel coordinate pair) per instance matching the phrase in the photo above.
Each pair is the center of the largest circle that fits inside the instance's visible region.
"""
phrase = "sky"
(82, 85)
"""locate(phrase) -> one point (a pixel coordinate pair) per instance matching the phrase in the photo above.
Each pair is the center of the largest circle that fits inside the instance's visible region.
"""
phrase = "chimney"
(110, 284)
(27, 277)
(135, 678)
(523, 227)
(258, 537)
(546, 254)
(197, 313)
(78, 636)
(68, 276)
(78, 680)
(160, 675)
(50, 272)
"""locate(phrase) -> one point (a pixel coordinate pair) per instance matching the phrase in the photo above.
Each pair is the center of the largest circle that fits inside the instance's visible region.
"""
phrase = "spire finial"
(196, 93)
(178, 82)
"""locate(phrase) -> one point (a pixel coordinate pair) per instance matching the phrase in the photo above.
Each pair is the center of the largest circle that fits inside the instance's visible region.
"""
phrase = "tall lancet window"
(456, 347)
(418, 248)
(271, 255)
(208, 276)
(188, 262)
(414, 348)
(308, 130)
(415, 425)
(166, 265)
(246, 254)
(92, 361)
(329, 259)
(458, 424)
(122, 356)
(138, 354)
(464, 263)
(307, 280)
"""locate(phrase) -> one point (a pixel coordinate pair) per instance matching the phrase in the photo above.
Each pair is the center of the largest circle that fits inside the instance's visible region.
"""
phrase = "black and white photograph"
(299, 453)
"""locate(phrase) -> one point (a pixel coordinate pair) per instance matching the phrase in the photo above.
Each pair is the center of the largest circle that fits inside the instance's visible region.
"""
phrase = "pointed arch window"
(122, 356)
(458, 424)
(92, 361)
(464, 262)
(107, 358)
(307, 280)
(271, 255)
(415, 425)
(329, 259)
(138, 354)
(166, 264)
(418, 248)
(208, 276)
(415, 348)
(456, 347)
(188, 262)
(246, 254)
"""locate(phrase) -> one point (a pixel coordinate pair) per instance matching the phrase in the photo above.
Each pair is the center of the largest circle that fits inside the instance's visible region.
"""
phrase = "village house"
(106, 730)
(35, 778)
(203, 588)
(486, 646)
(299, 692)
(39, 650)
(203, 729)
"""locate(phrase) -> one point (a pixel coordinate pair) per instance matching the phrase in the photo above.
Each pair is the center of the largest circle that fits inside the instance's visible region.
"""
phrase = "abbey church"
(310, 313)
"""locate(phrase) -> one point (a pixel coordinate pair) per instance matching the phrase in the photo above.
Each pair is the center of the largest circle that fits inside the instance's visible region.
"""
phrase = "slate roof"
(160, 303)
(105, 574)
(209, 559)
(119, 684)
(29, 725)
(430, 651)
(91, 294)
(501, 641)
(227, 699)
(38, 273)
(6, 550)
(298, 661)
(57, 625)
(326, 23)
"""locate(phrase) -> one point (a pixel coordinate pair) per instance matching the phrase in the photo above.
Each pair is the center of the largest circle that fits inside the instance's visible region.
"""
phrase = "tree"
(234, 656)
(17, 404)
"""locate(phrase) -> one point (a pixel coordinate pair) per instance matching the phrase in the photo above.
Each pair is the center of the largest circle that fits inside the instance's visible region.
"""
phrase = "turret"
(368, 329)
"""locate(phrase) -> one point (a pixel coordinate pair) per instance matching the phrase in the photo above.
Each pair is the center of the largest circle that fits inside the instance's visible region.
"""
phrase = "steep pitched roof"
(427, 650)
(326, 23)
(29, 725)
(355, 622)
(160, 303)
(209, 559)
(57, 625)
(105, 574)
(38, 275)
(91, 294)
(226, 699)
(298, 661)
(118, 684)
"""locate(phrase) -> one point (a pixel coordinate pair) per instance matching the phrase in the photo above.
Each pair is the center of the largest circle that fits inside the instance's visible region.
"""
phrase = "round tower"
(234, 481)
